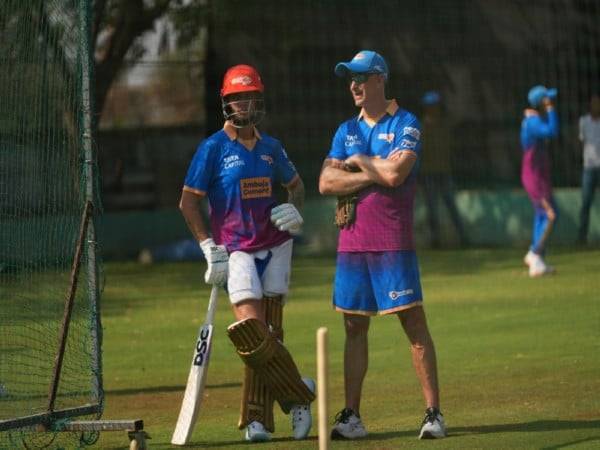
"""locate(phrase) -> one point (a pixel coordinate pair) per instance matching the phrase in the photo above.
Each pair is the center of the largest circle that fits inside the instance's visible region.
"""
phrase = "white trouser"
(244, 281)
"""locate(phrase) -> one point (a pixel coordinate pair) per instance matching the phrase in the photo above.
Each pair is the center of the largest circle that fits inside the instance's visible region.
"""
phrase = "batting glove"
(217, 259)
(287, 218)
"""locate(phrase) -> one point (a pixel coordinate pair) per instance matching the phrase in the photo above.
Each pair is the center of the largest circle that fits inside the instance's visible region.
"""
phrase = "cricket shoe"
(348, 425)
(256, 432)
(301, 416)
(433, 426)
(529, 257)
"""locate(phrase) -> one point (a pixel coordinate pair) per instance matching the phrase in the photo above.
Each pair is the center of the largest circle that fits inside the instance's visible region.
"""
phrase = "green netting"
(481, 55)
(46, 176)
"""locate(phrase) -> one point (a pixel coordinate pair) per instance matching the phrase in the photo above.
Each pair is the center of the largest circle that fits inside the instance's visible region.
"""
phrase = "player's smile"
(359, 83)
(358, 92)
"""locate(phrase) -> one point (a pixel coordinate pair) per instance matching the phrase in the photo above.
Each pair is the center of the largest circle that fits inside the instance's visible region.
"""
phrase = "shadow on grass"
(570, 443)
(538, 425)
(159, 389)
(237, 443)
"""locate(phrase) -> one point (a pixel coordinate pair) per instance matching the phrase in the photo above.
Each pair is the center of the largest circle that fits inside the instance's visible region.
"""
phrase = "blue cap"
(538, 93)
(365, 61)
(431, 98)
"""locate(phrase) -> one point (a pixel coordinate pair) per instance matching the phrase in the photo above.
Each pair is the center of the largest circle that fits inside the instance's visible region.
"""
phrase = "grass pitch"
(519, 358)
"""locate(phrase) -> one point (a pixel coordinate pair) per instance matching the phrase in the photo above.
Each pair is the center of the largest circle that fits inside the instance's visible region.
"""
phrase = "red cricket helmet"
(241, 78)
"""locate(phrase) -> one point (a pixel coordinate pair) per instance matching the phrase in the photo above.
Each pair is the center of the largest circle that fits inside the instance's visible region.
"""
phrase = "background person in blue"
(435, 171)
(250, 251)
(373, 157)
(540, 123)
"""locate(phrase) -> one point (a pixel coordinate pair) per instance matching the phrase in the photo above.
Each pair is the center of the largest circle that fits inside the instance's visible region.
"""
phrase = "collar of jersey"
(232, 133)
(391, 109)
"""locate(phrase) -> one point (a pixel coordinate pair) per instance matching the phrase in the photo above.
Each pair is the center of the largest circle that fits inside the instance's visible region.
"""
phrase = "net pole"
(64, 331)
(90, 192)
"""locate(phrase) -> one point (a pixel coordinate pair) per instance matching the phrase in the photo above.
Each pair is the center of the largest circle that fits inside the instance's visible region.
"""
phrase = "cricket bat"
(192, 399)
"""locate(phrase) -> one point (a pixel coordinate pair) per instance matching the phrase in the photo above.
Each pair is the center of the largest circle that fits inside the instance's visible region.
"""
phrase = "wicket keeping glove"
(217, 259)
(287, 218)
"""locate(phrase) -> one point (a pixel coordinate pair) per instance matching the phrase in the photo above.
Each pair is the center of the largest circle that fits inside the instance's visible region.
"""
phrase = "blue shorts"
(372, 283)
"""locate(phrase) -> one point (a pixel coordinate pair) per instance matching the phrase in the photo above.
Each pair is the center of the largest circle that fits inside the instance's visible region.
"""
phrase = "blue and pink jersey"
(535, 167)
(239, 185)
(384, 216)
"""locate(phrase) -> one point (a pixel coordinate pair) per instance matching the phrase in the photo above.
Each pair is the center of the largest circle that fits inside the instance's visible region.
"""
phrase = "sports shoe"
(433, 426)
(256, 432)
(301, 416)
(529, 257)
(348, 425)
(538, 267)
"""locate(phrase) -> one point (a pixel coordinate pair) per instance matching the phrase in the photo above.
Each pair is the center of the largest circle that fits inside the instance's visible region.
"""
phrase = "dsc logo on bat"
(202, 346)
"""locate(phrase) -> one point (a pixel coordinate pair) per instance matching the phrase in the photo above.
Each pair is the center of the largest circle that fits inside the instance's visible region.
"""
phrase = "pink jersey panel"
(384, 220)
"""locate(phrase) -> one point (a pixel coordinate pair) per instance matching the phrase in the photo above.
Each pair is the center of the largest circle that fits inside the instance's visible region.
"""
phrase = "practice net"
(46, 179)
(481, 56)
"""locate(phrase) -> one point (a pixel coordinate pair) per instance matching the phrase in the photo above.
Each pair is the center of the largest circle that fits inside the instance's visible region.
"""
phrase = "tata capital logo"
(229, 162)
(352, 139)
(244, 80)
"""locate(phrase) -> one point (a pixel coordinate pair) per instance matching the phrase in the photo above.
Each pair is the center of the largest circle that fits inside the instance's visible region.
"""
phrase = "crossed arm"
(337, 179)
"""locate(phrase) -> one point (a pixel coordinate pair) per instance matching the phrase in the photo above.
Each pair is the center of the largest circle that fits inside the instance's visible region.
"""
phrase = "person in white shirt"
(589, 135)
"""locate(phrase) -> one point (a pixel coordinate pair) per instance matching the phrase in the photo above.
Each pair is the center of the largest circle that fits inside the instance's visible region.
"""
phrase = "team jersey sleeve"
(407, 137)
(285, 170)
(201, 170)
(543, 129)
(338, 146)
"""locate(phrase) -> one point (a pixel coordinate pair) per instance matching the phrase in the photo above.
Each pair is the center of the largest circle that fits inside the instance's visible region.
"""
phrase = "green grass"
(519, 358)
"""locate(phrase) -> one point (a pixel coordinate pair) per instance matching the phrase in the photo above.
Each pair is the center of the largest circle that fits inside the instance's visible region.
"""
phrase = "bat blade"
(192, 399)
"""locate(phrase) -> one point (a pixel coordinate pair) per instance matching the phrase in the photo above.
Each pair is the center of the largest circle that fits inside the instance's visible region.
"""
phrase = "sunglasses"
(359, 78)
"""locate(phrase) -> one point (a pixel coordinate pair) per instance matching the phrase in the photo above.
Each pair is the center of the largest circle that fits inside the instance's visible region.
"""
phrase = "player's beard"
(244, 113)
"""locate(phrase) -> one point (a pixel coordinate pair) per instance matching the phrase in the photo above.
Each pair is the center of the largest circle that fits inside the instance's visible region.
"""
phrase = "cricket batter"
(251, 248)
(371, 167)
(540, 123)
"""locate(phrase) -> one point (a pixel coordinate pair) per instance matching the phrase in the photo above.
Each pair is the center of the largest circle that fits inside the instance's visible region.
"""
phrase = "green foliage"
(189, 18)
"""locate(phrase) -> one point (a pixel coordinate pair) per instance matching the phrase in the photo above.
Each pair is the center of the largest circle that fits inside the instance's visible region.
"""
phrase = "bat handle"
(212, 304)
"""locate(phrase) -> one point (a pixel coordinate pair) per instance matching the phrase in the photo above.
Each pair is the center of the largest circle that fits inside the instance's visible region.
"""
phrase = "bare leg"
(249, 309)
(423, 353)
(356, 358)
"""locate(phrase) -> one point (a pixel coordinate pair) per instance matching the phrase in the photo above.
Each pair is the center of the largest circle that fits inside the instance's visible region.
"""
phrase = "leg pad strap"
(257, 399)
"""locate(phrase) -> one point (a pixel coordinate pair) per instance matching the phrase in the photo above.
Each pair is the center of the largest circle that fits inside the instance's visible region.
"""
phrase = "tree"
(119, 24)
